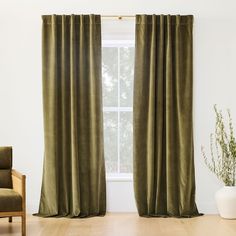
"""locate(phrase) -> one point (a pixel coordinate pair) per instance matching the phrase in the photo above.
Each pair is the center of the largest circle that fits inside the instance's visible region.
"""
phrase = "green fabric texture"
(5, 157)
(10, 200)
(74, 170)
(5, 179)
(164, 178)
(5, 167)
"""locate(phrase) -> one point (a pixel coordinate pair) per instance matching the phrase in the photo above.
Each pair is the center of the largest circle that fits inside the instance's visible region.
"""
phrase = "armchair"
(12, 189)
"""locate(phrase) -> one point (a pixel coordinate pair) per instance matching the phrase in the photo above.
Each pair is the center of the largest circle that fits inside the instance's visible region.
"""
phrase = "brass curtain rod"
(119, 17)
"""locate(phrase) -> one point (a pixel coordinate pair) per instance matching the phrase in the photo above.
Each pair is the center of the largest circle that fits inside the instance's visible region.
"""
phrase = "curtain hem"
(171, 216)
(70, 215)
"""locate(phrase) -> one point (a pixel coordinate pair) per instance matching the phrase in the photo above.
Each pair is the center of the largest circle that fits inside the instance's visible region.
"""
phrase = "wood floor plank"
(117, 224)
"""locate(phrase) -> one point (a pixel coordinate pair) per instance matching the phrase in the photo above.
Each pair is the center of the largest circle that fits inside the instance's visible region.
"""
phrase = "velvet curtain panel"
(74, 172)
(164, 179)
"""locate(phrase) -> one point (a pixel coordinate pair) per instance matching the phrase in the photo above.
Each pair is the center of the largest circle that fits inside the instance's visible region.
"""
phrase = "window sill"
(119, 178)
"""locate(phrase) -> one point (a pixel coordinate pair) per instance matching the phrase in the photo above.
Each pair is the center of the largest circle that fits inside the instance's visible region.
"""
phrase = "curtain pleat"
(74, 172)
(164, 179)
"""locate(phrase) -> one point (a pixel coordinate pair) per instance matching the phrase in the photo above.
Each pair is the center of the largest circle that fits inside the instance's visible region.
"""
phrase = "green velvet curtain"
(74, 172)
(164, 179)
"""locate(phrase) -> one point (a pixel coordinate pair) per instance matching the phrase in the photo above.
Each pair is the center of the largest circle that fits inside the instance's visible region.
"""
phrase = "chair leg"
(10, 219)
(23, 225)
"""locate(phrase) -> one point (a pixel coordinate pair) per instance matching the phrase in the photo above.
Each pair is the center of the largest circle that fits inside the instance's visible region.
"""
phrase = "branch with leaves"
(222, 161)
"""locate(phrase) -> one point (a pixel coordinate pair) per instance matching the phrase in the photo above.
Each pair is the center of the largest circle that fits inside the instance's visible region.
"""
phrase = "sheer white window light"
(117, 71)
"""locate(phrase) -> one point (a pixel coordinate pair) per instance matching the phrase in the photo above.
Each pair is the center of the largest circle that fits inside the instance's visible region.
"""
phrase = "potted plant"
(222, 163)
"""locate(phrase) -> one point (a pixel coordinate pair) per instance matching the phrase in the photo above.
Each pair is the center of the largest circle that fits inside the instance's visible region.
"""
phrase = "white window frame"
(119, 176)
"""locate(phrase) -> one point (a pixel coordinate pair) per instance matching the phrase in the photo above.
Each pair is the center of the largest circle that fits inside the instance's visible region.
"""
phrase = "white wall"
(21, 121)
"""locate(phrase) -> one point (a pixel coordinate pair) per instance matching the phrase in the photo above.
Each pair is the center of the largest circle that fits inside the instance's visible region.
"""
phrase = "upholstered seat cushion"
(10, 200)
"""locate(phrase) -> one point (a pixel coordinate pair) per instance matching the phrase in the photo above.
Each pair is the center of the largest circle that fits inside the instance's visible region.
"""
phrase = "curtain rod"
(119, 17)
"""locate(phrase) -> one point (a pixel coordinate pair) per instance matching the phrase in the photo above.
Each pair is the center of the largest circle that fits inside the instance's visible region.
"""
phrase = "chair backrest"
(5, 167)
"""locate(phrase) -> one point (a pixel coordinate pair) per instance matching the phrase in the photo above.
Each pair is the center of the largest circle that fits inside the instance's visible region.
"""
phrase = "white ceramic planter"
(226, 202)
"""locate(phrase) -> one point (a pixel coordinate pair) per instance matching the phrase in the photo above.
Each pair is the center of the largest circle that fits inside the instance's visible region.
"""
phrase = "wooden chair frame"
(18, 181)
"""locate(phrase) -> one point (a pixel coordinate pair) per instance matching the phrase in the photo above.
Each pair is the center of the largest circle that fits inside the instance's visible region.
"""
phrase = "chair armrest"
(18, 182)
(17, 174)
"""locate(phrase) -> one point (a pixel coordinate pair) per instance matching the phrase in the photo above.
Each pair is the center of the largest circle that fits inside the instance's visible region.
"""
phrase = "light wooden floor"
(122, 225)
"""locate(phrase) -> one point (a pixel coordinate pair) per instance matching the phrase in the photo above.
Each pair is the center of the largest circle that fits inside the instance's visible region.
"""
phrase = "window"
(117, 74)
